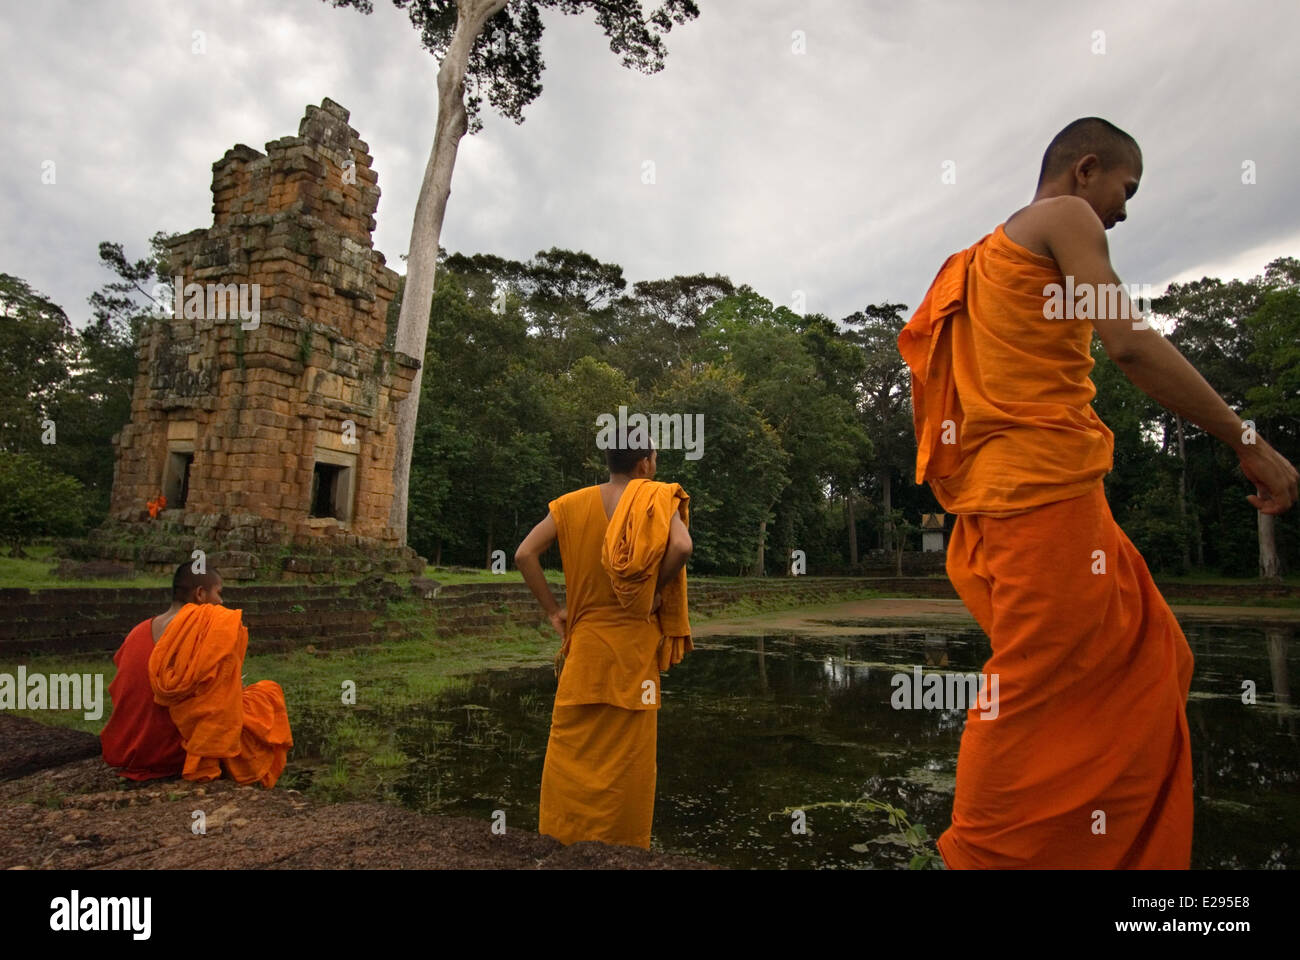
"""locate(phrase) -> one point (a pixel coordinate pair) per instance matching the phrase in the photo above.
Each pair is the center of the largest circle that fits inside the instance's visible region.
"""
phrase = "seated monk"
(1087, 762)
(178, 704)
(624, 546)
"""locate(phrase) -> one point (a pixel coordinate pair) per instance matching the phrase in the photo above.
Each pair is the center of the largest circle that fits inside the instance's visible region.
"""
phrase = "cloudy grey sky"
(817, 171)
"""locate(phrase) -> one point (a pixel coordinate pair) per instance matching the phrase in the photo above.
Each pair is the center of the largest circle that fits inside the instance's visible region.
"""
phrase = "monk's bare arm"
(677, 553)
(528, 561)
(1077, 240)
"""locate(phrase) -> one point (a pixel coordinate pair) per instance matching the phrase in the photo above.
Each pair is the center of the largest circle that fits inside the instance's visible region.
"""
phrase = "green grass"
(1271, 602)
(446, 576)
(354, 754)
(1210, 577)
(776, 603)
(394, 672)
(405, 671)
(33, 573)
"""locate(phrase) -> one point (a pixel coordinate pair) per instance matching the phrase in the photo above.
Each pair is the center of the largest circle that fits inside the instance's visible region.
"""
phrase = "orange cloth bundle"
(195, 672)
(635, 543)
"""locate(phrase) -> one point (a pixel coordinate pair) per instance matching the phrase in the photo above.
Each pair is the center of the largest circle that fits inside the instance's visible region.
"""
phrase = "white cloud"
(817, 172)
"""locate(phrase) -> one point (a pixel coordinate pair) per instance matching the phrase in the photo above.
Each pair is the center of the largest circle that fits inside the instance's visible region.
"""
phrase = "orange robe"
(195, 672)
(1087, 761)
(139, 737)
(598, 781)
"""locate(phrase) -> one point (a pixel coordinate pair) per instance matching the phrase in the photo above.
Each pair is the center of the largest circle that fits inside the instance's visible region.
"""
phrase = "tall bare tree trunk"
(787, 533)
(1277, 644)
(853, 528)
(887, 506)
(1182, 490)
(1269, 567)
(760, 568)
(422, 255)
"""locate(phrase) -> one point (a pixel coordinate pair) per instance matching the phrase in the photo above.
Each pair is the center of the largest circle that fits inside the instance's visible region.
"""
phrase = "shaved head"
(185, 582)
(1090, 135)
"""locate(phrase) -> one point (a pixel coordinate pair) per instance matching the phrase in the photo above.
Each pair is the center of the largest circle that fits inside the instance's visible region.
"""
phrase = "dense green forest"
(807, 422)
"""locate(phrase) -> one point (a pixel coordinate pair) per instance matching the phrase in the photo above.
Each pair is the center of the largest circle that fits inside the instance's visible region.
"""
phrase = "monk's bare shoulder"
(1034, 226)
(158, 626)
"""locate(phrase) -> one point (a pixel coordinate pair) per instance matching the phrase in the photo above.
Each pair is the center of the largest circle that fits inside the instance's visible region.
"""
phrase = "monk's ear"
(1090, 167)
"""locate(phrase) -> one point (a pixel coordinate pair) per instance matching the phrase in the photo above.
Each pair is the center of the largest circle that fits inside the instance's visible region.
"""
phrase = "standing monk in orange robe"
(1087, 761)
(624, 546)
(178, 704)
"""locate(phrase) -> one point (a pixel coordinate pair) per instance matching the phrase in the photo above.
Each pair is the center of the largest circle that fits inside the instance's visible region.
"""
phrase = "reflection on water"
(754, 725)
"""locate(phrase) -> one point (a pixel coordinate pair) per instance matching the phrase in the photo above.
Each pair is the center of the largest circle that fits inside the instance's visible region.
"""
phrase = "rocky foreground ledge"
(62, 808)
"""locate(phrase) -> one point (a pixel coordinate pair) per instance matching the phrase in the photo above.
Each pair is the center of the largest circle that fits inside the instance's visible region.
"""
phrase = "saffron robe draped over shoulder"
(195, 672)
(598, 782)
(140, 737)
(634, 547)
(1001, 398)
(1087, 760)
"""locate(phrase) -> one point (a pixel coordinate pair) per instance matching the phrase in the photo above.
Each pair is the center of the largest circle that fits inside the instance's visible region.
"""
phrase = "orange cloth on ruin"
(195, 672)
(598, 781)
(1087, 762)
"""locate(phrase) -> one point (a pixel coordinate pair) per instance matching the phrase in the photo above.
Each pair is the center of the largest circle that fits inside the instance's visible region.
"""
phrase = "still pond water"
(753, 726)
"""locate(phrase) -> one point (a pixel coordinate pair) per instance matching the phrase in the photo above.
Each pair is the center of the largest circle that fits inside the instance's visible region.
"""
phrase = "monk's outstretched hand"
(1272, 474)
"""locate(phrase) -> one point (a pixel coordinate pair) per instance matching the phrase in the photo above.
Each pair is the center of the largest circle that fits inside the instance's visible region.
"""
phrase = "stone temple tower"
(264, 403)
